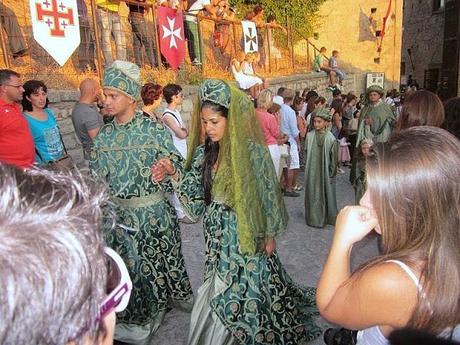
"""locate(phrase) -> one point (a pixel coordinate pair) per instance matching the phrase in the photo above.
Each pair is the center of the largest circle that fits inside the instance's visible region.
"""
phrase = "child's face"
(319, 123)
(365, 148)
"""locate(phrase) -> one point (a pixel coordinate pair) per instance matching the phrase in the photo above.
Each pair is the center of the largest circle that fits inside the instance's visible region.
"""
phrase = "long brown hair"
(414, 184)
(421, 108)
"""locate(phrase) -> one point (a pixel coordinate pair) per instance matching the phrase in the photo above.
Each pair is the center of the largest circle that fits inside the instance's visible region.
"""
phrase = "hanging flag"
(172, 40)
(55, 27)
(250, 36)
(386, 24)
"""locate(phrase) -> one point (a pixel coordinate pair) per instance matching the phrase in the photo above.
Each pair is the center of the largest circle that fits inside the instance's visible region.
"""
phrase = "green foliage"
(301, 15)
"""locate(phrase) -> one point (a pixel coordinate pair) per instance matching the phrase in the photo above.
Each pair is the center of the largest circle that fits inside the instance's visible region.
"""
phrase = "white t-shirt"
(197, 6)
(180, 144)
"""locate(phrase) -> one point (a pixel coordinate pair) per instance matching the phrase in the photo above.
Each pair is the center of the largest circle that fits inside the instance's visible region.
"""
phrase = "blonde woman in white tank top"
(413, 201)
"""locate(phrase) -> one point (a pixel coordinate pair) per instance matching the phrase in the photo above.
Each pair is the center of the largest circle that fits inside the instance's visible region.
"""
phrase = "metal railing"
(279, 53)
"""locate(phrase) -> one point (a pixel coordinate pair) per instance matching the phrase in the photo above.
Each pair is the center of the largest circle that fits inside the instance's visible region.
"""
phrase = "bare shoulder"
(380, 295)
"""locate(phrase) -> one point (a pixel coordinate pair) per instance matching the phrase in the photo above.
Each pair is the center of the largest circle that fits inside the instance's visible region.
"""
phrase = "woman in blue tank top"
(48, 143)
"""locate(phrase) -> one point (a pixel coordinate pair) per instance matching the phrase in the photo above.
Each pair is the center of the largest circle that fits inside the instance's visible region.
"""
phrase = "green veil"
(236, 182)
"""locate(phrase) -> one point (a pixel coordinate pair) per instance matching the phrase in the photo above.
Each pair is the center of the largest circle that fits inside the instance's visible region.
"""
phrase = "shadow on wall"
(366, 32)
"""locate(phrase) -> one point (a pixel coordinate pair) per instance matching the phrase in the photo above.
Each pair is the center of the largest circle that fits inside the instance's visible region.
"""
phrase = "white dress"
(245, 81)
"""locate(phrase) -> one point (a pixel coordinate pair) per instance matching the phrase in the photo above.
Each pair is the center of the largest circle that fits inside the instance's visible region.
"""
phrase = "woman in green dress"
(247, 297)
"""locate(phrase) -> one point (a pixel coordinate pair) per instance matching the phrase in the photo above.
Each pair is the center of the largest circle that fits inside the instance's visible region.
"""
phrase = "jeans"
(193, 41)
(340, 74)
(142, 39)
(109, 23)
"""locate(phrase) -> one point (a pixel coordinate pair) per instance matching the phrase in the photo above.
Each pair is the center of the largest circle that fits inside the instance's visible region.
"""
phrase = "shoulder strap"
(49, 112)
(172, 114)
(407, 270)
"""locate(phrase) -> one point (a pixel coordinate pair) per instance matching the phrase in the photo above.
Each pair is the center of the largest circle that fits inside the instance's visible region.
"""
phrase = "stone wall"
(62, 102)
(345, 25)
(423, 35)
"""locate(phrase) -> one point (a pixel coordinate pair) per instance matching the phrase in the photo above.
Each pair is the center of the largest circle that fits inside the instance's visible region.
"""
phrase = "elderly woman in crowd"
(54, 271)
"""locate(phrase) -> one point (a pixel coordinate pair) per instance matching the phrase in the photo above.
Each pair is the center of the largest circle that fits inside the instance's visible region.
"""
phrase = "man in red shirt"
(16, 142)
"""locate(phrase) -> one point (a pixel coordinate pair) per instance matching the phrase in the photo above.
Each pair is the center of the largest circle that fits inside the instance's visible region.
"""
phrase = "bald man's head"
(89, 90)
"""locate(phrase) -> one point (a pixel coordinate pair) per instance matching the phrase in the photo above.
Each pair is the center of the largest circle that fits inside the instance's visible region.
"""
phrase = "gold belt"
(141, 201)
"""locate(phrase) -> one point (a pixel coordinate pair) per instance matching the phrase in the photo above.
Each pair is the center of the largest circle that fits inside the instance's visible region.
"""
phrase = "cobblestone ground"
(302, 250)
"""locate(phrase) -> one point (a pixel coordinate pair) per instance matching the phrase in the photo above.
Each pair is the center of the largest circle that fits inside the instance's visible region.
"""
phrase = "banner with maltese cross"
(250, 36)
(172, 40)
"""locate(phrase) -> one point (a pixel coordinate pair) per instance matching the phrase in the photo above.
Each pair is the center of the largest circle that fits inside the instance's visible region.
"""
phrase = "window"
(438, 5)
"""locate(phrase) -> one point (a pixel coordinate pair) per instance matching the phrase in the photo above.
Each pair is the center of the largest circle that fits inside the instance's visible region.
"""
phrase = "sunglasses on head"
(119, 285)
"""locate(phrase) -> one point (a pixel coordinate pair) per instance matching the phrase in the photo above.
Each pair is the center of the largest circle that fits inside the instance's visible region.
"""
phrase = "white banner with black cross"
(250, 36)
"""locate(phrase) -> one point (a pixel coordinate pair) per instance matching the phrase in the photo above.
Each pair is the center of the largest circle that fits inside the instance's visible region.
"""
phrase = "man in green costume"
(375, 122)
(146, 232)
(321, 149)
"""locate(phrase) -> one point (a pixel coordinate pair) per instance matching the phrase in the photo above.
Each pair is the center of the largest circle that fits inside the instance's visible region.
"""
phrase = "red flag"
(386, 24)
(172, 41)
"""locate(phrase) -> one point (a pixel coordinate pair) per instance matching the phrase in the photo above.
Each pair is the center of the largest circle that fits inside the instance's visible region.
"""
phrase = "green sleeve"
(97, 166)
(167, 150)
(270, 194)
(333, 158)
(189, 187)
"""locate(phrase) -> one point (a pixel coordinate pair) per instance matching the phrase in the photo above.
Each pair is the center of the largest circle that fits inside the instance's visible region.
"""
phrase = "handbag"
(65, 163)
(353, 125)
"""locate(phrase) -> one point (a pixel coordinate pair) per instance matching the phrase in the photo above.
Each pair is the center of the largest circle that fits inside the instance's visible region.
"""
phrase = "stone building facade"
(351, 28)
(428, 55)
(422, 44)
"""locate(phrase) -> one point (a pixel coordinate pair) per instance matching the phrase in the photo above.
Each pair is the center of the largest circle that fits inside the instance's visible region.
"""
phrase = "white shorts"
(276, 155)
(295, 162)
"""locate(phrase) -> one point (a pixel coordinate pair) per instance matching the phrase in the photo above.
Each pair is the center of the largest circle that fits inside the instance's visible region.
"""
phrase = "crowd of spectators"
(384, 138)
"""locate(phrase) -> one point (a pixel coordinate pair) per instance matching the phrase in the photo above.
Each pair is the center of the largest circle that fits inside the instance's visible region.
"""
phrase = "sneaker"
(330, 88)
(196, 62)
(340, 171)
(291, 194)
(298, 188)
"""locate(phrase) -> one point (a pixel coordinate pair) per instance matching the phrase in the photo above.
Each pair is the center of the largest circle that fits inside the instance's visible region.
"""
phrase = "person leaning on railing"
(191, 27)
(110, 23)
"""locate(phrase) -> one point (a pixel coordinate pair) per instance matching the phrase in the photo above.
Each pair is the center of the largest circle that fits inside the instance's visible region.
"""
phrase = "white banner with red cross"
(55, 27)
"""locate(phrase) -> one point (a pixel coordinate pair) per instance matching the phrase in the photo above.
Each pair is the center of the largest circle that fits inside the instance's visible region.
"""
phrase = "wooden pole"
(200, 44)
(99, 66)
(155, 33)
(235, 35)
(267, 34)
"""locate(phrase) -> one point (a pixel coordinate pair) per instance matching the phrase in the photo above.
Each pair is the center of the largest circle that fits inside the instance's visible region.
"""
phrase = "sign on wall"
(55, 27)
(375, 78)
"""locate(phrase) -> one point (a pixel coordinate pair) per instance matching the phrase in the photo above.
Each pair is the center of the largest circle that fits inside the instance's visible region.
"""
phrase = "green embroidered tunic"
(379, 130)
(146, 233)
(321, 149)
(251, 296)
